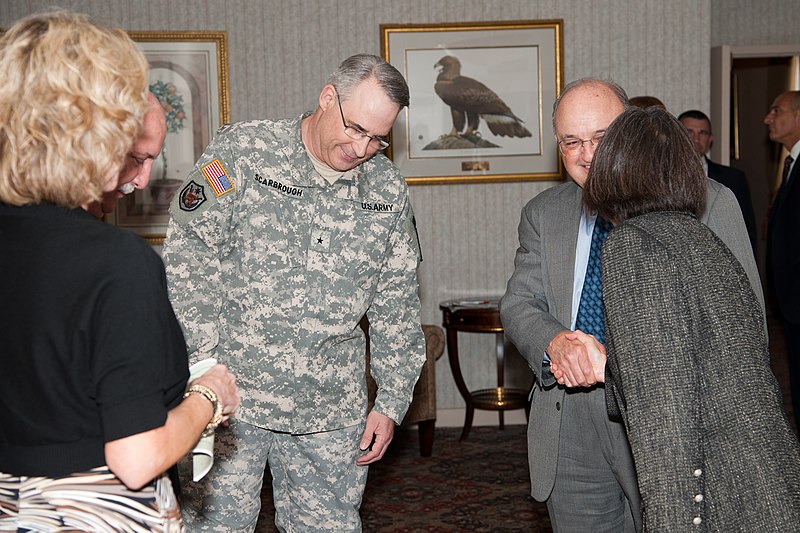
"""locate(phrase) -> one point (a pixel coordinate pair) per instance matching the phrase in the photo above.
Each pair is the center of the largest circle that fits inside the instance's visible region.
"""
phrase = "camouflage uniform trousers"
(316, 483)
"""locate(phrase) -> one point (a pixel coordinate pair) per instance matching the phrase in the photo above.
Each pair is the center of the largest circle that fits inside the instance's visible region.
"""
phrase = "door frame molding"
(721, 65)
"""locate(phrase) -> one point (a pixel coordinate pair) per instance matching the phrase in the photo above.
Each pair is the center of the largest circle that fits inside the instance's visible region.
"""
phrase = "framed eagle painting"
(481, 96)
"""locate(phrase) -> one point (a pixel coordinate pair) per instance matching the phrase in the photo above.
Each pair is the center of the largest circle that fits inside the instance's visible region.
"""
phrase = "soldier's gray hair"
(614, 87)
(360, 67)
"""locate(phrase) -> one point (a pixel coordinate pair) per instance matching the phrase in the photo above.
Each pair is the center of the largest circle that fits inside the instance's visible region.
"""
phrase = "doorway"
(744, 82)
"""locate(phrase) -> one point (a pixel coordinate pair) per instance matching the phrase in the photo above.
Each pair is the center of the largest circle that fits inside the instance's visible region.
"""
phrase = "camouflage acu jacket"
(270, 269)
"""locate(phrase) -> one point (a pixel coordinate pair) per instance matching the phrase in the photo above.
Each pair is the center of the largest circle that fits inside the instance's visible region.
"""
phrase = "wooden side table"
(479, 316)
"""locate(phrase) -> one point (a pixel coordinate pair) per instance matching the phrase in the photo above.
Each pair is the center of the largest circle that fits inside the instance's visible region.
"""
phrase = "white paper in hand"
(203, 453)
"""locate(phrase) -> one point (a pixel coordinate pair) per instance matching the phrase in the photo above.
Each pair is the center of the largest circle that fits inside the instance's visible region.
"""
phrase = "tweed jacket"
(688, 370)
(538, 300)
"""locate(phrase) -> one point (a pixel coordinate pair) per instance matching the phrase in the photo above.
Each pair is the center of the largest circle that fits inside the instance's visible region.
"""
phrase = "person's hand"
(577, 359)
(597, 354)
(376, 438)
(223, 383)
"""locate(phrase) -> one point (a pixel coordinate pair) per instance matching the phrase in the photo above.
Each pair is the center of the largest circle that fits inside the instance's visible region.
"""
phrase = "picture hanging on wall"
(481, 98)
(189, 77)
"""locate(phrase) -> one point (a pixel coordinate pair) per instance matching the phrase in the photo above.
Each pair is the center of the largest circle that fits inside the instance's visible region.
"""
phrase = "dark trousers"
(792, 333)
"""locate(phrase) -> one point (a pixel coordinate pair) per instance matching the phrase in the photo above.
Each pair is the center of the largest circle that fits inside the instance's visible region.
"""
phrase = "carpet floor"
(479, 485)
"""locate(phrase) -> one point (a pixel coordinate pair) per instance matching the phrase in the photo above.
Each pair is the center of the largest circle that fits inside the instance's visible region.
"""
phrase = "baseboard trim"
(455, 417)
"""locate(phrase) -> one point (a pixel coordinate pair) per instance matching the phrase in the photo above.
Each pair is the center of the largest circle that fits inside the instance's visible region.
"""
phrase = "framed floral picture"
(481, 95)
(189, 76)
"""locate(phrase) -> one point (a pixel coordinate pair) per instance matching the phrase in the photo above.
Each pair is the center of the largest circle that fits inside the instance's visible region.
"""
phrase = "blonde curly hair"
(72, 102)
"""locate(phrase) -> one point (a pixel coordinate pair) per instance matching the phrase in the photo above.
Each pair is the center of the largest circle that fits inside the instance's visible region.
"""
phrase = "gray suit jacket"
(538, 300)
(689, 371)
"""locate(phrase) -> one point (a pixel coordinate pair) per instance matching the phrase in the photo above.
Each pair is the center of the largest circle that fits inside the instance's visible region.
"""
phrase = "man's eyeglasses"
(356, 134)
(572, 145)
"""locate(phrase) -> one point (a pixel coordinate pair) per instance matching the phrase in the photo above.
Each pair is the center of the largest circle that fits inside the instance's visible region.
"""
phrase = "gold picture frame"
(518, 62)
(189, 75)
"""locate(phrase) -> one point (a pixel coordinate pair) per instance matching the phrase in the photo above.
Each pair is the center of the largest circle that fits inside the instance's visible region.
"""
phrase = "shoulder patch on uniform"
(219, 180)
(191, 196)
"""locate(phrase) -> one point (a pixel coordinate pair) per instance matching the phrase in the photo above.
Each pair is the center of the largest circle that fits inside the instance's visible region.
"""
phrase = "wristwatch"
(211, 396)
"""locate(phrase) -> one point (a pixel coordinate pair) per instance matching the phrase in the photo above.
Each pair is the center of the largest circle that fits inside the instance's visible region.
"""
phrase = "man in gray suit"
(580, 460)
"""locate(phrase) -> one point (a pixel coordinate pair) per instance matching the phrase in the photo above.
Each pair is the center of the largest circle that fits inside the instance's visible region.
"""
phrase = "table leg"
(500, 351)
(455, 368)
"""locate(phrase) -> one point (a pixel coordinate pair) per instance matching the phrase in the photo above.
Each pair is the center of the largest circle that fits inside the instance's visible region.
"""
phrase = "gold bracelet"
(216, 405)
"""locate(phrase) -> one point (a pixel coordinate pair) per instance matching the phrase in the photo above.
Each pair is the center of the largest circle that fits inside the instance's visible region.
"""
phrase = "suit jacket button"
(558, 406)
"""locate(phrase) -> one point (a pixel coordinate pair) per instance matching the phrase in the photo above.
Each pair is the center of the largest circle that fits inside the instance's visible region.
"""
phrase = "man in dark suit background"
(698, 126)
(580, 460)
(783, 234)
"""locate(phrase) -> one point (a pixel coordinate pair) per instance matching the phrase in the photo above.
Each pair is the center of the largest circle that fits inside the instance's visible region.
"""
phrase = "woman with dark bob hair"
(688, 367)
(93, 364)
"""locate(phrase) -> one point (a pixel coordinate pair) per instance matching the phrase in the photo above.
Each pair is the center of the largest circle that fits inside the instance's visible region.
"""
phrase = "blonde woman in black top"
(93, 369)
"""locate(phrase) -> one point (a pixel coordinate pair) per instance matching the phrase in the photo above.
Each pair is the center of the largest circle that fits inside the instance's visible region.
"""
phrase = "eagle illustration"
(470, 98)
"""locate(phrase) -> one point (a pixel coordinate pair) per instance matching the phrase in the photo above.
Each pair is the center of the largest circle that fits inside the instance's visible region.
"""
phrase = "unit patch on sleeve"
(191, 196)
(220, 182)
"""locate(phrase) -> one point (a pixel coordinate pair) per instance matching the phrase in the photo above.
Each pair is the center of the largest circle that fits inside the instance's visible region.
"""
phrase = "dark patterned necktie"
(787, 164)
(591, 313)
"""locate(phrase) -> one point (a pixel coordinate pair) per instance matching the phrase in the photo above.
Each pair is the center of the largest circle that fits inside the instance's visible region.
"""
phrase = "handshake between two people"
(577, 359)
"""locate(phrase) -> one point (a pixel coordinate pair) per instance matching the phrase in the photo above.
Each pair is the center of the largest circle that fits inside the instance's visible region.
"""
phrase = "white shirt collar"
(795, 151)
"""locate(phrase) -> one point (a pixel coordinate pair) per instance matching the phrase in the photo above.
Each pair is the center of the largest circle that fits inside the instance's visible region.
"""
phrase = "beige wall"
(741, 22)
(281, 51)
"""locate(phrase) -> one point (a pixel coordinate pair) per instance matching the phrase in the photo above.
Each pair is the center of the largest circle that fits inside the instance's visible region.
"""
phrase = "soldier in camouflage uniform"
(284, 235)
